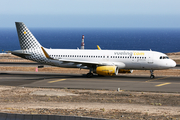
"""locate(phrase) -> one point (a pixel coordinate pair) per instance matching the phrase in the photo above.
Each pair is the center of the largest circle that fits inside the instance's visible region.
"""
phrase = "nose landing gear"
(152, 74)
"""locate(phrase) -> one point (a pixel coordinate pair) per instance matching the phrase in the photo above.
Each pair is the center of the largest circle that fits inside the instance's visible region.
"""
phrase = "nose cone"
(172, 64)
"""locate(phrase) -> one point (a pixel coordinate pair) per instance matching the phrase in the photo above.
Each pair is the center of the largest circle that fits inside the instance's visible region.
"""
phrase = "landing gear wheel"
(152, 76)
(89, 75)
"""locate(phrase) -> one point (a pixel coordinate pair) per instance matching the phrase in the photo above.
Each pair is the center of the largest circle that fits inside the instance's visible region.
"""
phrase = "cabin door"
(150, 58)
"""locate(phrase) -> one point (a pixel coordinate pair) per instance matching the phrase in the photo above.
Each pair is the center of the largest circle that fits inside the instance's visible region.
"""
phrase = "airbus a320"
(101, 62)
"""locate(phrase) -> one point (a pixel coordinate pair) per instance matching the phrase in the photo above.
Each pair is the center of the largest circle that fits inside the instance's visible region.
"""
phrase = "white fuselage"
(124, 59)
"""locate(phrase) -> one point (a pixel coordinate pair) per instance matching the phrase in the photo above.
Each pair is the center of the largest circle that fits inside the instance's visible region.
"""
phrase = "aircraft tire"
(89, 75)
(152, 76)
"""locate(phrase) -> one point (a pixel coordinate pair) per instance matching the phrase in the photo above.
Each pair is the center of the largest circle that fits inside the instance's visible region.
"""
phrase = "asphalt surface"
(56, 80)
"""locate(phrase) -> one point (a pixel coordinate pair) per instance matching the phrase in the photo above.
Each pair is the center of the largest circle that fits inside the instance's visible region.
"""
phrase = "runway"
(77, 81)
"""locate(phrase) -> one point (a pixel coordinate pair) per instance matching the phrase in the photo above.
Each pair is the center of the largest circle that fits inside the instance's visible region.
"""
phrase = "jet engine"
(125, 71)
(107, 70)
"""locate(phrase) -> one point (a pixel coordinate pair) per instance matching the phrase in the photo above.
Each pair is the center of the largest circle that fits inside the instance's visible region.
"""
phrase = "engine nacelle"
(125, 71)
(107, 70)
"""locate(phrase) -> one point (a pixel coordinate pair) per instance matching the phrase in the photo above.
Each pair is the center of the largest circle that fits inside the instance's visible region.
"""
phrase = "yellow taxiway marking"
(56, 81)
(162, 84)
(156, 79)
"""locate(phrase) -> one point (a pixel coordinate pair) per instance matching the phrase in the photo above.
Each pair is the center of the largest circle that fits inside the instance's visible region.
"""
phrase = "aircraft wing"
(90, 63)
(79, 62)
(85, 63)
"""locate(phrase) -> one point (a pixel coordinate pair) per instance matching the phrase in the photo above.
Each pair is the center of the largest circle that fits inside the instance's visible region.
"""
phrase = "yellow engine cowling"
(125, 71)
(107, 70)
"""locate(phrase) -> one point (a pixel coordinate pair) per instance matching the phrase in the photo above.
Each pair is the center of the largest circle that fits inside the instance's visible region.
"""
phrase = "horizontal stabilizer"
(20, 53)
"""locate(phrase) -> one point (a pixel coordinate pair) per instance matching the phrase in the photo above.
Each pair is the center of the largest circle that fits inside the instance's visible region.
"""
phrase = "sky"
(91, 13)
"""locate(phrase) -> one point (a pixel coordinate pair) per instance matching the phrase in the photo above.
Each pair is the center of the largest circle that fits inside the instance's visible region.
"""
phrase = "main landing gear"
(152, 74)
(89, 75)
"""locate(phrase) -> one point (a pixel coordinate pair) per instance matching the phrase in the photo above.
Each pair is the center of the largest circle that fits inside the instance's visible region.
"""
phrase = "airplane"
(101, 62)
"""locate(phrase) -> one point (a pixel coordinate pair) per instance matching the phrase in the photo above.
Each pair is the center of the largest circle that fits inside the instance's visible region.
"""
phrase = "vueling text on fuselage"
(138, 53)
(129, 53)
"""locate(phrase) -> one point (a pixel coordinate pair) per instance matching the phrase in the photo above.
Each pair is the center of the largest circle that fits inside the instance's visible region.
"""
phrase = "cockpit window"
(164, 57)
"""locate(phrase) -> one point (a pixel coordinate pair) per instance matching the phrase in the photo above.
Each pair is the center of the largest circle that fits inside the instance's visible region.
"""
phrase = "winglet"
(98, 47)
(45, 53)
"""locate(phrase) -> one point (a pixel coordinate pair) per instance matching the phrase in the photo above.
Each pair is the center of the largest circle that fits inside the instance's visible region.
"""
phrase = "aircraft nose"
(173, 63)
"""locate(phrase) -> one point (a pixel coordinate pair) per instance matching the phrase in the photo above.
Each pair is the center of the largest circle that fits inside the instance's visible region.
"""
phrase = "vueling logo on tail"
(26, 38)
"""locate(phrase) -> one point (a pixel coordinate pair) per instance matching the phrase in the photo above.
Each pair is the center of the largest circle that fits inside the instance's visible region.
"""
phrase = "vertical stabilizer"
(26, 38)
